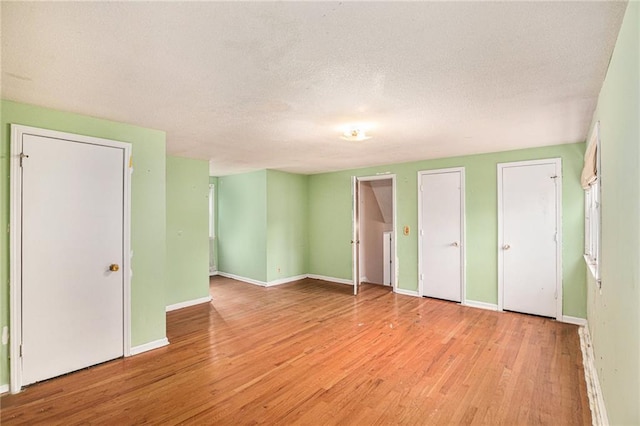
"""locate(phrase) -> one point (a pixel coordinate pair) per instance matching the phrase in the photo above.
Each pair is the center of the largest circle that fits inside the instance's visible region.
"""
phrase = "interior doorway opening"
(374, 231)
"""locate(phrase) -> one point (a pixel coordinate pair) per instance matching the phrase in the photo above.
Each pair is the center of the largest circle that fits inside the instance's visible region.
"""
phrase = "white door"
(528, 245)
(441, 204)
(72, 231)
(387, 259)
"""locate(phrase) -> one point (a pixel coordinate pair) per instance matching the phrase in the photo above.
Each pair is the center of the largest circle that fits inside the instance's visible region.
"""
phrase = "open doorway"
(374, 238)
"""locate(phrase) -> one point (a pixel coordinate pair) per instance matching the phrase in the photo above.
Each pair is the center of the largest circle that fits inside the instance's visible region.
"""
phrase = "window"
(592, 183)
(212, 211)
(592, 225)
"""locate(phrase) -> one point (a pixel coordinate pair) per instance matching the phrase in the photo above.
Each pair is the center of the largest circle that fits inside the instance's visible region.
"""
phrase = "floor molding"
(330, 279)
(401, 291)
(480, 305)
(405, 292)
(4, 388)
(243, 279)
(149, 346)
(285, 280)
(596, 400)
(574, 320)
(188, 303)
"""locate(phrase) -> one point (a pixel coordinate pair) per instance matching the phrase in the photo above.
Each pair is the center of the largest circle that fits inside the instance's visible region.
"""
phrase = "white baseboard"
(285, 280)
(574, 320)
(213, 273)
(243, 279)
(480, 305)
(331, 279)
(188, 303)
(596, 400)
(4, 388)
(149, 346)
(405, 292)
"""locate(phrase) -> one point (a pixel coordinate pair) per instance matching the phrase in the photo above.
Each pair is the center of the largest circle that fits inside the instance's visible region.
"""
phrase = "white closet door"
(440, 239)
(72, 223)
(529, 249)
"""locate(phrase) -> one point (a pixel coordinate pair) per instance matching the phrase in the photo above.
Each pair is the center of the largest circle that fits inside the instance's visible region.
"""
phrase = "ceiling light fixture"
(355, 135)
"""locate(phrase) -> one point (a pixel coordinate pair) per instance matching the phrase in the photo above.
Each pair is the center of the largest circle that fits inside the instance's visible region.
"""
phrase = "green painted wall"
(287, 223)
(242, 225)
(614, 313)
(330, 221)
(148, 227)
(262, 224)
(187, 229)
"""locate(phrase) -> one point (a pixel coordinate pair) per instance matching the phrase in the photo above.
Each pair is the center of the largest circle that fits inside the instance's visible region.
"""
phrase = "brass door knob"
(114, 267)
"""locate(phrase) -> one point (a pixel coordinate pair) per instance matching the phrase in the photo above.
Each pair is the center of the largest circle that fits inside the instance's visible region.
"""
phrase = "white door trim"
(558, 181)
(15, 240)
(355, 253)
(463, 246)
(355, 180)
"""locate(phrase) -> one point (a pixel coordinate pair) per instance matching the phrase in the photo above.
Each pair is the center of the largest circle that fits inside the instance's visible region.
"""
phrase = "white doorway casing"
(107, 162)
(441, 234)
(356, 182)
(530, 237)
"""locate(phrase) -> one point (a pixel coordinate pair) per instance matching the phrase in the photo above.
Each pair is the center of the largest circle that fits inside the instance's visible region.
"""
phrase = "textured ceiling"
(271, 85)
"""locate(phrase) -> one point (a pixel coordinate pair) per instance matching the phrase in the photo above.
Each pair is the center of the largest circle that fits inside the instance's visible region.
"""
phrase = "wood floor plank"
(311, 353)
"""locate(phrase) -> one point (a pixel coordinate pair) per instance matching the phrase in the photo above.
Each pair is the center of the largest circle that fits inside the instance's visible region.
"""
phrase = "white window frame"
(213, 267)
(212, 211)
(593, 215)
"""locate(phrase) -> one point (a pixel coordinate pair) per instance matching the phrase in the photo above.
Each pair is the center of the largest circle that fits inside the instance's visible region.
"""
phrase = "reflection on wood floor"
(311, 353)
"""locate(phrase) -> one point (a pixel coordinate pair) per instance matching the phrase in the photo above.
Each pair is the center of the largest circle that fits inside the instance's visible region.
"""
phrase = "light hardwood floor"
(311, 353)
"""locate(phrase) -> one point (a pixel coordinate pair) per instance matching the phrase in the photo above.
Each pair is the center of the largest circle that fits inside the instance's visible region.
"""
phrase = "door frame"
(558, 182)
(463, 227)
(355, 227)
(15, 239)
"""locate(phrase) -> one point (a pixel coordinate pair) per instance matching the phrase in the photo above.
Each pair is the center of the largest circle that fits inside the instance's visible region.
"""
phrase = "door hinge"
(421, 188)
(21, 351)
(22, 157)
(421, 277)
(555, 295)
